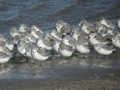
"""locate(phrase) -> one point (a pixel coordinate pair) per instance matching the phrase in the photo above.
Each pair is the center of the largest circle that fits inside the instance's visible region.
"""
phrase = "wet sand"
(60, 76)
(60, 85)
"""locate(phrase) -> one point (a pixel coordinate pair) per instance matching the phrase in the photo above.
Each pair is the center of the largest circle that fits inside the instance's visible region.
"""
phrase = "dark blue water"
(45, 13)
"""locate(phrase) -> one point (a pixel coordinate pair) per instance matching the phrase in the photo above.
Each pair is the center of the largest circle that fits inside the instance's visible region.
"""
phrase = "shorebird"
(59, 25)
(16, 39)
(104, 49)
(63, 27)
(28, 49)
(30, 38)
(75, 32)
(4, 58)
(36, 32)
(55, 34)
(107, 23)
(9, 45)
(66, 29)
(2, 38)
(21, 47)
(56, 45)
(46, 42)
(87, 27)
(65, 50)
(40, 54)
(82, 45)
(3, 47)
(14, 32)
(24, 29)
(105, 31)
(116, 40)
(18, 34)
(96, 38)
(68, 40)
(5, 54)
(118, 23)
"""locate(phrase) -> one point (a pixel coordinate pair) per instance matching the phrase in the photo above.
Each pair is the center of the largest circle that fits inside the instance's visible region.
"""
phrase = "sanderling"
(55, 34)
(2, 38)
(107, 23)
(104, 49)
(45, 42)
(59, 25)
(82, 45)
(2, 43)
(36, 32)
(78, 33)
(63, 27)
(4, 58)
(48, 41)
(104, 31)
(75, 32)
(14, 32)
(87, 27)
(116, 40)
(40, 54)
(118, 23)
(5, 54)
(9, 45)
(68, 40)
(21, 47)
(5, 45)
(56, 45)
(96, 38)
(16, 39)
(3, 49)
(24, 28)
(28, 49)
(65, 50)
(30, 38)
(40, 43)
(66, 29)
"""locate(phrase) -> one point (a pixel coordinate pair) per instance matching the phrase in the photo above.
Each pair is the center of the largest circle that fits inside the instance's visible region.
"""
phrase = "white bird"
(36, 32)
(66, 51)
(82, 45)
(45, 43)
(55, 34)
(107, 23)
(118, 23)
(116, 40)
(56, 45)
(9, 45)
(104, 49)
(87, 27)
(40, 54)
(4, 58)
(59, 26)
(21, 47)
(68, 40)
(95, 38)
(75, 33)
(24, 29)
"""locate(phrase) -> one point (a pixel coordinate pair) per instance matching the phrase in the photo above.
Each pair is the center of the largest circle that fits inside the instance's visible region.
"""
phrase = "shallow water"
(45, 13)
(74, 68)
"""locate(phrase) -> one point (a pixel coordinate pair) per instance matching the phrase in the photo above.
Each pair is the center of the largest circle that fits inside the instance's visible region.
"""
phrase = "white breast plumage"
(66, 53)
(82, 49)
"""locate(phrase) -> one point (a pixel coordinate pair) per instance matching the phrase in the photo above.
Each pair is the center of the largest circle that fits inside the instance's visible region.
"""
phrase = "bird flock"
(64, 40)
